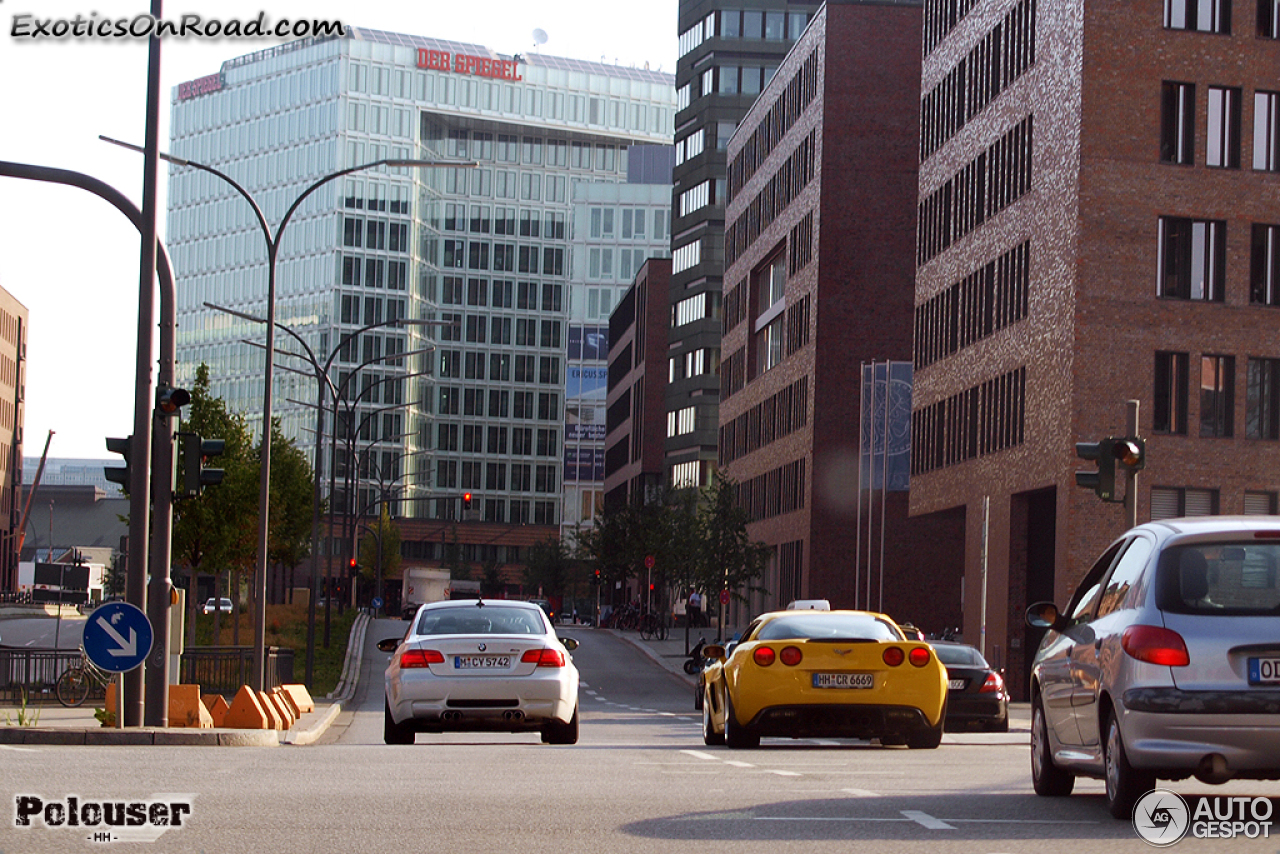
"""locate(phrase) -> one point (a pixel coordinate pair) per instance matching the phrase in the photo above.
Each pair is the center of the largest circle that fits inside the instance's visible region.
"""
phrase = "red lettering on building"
(200, 86)
(479, 66)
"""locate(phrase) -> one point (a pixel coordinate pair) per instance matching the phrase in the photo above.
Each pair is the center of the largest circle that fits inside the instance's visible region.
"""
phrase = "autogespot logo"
(1161, 817)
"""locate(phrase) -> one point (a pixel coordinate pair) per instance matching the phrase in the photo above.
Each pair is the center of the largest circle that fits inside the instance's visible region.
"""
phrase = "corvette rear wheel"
(735, 734)
(709, 735)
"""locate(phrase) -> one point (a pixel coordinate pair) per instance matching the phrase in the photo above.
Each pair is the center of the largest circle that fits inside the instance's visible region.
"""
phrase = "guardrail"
(216, 669)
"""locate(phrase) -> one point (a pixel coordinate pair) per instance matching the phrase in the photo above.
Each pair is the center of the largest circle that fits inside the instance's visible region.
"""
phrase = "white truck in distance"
(420, 585)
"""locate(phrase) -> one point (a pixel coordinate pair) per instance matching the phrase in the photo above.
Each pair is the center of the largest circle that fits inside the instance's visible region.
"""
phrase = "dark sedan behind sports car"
(976, 696)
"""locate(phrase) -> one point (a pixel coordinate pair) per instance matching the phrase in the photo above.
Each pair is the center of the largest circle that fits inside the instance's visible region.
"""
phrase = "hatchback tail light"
(543, 657)
(763, 656)
(893, 656)
(993, 684)
(1155, 644)
(420, 658)
(790, 655)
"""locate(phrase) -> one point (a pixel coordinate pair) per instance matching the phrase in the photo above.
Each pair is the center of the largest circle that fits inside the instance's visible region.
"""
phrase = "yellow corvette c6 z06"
(824, 674)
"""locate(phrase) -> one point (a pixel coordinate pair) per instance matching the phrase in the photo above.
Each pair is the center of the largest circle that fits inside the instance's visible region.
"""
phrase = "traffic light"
(352, 564)
(1130, 453)
(195, 477)
(595, 578)
(114, 473)
(170, 400)
(466, 501)
(1102, 481)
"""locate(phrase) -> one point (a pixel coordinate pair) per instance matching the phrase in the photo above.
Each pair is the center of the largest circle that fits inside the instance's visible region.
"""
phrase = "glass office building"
(492, 255)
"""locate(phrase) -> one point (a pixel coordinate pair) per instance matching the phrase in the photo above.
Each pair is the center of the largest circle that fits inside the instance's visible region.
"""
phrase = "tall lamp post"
(273, 242)
(323, 381)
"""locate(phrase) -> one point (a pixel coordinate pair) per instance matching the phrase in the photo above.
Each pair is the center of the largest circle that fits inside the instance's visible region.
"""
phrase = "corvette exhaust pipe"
(451, 717)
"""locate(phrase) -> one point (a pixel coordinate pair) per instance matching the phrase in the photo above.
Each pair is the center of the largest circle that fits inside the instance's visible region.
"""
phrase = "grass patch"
(286, 626)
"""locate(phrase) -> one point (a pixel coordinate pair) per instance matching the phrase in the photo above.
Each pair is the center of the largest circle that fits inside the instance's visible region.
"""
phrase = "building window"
(1223, 145)
(769, 345)
(1177, 123)
(1264, 265)
(1266, 130)
(770, 285)
(1217, 396)
(1207, 16)
(1262, 408)
(1170, 393)
(1259, 503)
(1269, 19)
(1192, 258)
(1173, 502)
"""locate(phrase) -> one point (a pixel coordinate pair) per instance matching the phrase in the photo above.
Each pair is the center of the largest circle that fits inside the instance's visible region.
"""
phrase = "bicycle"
(651, 626)
(77, 680)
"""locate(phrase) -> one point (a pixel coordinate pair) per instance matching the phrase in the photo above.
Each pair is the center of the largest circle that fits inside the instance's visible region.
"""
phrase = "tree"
(549, 567)
(729, 559)
(386, 532)
(292, 501)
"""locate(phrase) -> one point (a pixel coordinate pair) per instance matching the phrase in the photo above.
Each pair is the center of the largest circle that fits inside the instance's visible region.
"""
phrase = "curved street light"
(273, 242)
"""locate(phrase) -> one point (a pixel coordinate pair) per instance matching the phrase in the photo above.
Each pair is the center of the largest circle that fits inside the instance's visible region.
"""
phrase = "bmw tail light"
(420, 658)
(1155, 644)
(993, 684)
(790, 656)
(763, 656)
(543, 657)
(893, 656)
(919, 656)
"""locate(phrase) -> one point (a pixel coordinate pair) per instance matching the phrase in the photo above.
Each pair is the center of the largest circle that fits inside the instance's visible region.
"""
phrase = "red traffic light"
(352, 563)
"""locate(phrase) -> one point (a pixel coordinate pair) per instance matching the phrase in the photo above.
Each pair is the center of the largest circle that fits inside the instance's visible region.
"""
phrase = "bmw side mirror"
(388, 645)
(1045, 615)
(569, 644)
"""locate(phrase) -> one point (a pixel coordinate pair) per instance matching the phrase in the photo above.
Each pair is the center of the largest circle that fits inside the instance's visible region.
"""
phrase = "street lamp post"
(273, 242)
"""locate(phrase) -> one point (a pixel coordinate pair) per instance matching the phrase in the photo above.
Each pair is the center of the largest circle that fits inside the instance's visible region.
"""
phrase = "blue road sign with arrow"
(117, 637)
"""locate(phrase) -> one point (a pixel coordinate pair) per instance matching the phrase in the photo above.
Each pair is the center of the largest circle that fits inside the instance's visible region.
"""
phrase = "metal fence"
(216, 669)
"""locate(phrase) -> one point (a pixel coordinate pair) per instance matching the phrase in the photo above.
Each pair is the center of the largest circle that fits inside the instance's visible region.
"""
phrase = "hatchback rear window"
(1230, 579)
(817, 625)
(490, 620)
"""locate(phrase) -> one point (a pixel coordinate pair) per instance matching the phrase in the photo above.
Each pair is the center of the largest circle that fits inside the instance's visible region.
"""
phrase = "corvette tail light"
(543, 657)
(919, 656)
(1155, 644)
(763, 656)
(993, 683)
(790, 656)
(420, 658)
(893, 656)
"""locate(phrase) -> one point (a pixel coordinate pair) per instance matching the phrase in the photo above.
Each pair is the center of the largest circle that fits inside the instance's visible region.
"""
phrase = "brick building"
(819, 245)
(1098, 202)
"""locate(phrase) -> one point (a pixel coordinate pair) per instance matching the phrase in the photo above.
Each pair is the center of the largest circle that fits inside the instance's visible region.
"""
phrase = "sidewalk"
(57, 724)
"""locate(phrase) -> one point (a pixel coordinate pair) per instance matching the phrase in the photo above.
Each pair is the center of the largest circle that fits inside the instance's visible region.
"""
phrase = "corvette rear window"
(490, 620)
(1226, 579)
(818, 625)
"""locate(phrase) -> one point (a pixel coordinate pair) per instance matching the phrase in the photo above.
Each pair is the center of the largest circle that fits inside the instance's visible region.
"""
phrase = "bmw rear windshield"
(489, 620)
(1226, 579)
(828, 626)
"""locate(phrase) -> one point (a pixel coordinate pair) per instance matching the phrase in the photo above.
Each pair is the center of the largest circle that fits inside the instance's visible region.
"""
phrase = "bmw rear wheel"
(1048, 779)
(555, 732)
(392, 732)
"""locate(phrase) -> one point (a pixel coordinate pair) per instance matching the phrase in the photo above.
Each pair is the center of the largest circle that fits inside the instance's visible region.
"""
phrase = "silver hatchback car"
(1166, 663)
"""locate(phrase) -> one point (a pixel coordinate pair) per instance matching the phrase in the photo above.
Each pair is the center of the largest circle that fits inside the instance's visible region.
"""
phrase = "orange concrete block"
(246, 712)
(111, 697)
(287, 702)
(286, 716)
(185, 708)
(301, 697)
(217, 706)
(269, 708)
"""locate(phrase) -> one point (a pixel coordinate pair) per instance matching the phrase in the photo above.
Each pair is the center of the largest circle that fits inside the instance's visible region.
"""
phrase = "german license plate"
(843, 680)
(481, 662)
(1264, 671)
(956, 684)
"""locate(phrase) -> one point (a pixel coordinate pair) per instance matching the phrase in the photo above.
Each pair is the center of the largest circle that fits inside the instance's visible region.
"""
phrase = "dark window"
(1264, 265)
(1217, 396)
(1192, 258)
(1222, 148)
(1207, 16)
(1177, 123)
(1262, 409)
(1266, 130)
(1269, 19)
(1170, 393)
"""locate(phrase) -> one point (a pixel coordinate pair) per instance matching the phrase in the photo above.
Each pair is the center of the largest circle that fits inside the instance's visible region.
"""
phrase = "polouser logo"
(1161, 817)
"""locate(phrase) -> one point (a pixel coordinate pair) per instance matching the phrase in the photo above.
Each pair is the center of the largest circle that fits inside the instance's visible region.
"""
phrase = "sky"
(72, 259)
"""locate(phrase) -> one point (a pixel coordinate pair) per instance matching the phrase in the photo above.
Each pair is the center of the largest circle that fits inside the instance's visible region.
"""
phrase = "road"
(640, 780)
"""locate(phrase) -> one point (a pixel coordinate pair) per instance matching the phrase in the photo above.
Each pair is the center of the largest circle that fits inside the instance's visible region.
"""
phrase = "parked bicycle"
(78, 680)
(652, 626)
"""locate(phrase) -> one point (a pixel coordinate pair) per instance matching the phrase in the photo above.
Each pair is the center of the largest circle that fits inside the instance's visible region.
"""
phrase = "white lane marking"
(19, 749)
(736, 763)
(861, 793)
(783, 773)
(926, 820)
(698, 754)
